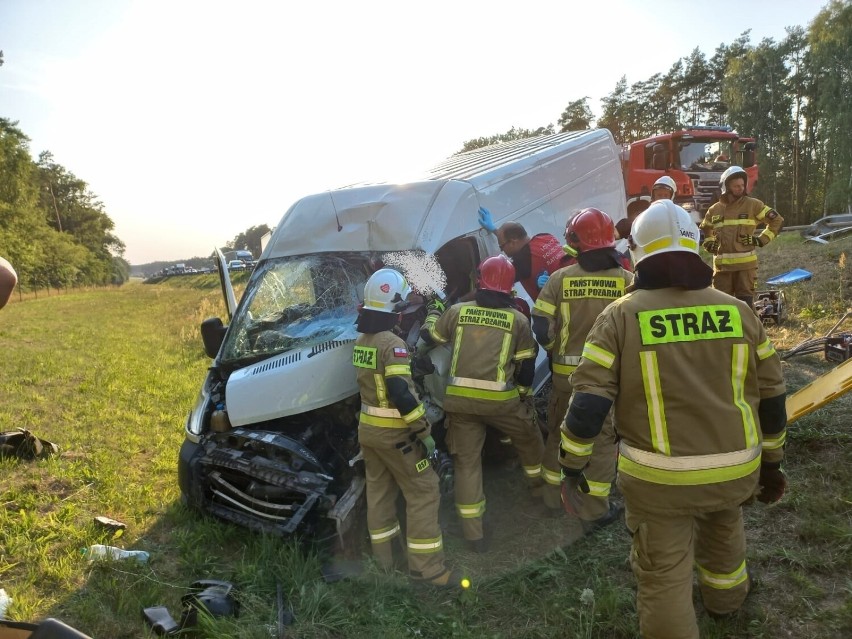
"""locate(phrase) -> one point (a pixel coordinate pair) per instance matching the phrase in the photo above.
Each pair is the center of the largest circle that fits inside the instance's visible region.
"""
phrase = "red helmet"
(497, 274)
(590, 229)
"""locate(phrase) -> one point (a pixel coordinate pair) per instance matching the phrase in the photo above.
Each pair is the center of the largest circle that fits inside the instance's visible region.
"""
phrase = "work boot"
(479, 546)
(753, 585)
(611, 515)
(447, 579)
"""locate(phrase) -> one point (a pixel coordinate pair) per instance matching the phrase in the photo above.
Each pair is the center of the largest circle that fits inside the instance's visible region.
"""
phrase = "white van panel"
(539, 182)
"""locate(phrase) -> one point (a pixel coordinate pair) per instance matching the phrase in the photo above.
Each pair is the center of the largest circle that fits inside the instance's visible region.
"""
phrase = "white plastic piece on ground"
(5, 602)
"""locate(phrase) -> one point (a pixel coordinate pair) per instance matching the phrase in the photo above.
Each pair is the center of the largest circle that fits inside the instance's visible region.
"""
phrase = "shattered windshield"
(705, 155)
(297, 302)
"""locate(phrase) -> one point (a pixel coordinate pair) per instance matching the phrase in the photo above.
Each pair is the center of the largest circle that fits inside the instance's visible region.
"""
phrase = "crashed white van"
(271, 437)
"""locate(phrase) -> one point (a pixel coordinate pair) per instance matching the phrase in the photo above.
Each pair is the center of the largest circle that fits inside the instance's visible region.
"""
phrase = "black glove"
(572, 486)
(711, 245)
(751, 240)
(772, 483)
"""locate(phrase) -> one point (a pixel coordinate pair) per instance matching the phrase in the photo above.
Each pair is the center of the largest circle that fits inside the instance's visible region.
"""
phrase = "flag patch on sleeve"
(400, 352)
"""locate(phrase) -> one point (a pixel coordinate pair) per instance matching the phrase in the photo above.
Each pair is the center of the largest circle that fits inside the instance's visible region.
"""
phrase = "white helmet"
(667, 182)
(663, 227)
(732, 172)
(386, 291)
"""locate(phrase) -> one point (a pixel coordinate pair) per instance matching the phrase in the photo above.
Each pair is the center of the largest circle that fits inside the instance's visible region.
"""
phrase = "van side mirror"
(748, 154)
(659, 159)
(212, 334)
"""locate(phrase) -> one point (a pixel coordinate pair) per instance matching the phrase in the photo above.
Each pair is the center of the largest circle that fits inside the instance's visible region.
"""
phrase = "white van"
(269, 442)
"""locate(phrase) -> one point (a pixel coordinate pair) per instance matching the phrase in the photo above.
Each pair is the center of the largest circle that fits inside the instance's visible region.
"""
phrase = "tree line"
(794, 97)
(53, 229)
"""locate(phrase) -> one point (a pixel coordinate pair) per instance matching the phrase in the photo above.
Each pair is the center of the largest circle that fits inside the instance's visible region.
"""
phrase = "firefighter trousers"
(390, 470)
(665, 549)
(465, 439)
(740, 284)
(600, 473)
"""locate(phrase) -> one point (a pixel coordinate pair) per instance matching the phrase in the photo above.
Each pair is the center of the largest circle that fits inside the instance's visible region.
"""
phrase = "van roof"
(538, 182)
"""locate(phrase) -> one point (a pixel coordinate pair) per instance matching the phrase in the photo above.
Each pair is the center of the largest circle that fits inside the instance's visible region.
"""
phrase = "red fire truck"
(694, 158)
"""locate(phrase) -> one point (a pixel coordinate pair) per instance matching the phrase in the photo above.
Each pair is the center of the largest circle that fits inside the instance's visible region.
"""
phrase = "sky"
(193, 120)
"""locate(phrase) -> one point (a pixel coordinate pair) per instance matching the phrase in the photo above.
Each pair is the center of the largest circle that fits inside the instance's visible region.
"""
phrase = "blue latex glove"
(542, 279)
(485, 220)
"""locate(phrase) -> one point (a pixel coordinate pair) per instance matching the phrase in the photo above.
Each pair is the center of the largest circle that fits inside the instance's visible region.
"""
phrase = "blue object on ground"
(790, 277)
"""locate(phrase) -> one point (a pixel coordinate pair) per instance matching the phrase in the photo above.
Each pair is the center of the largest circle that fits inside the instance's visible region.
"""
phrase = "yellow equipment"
(824, 389)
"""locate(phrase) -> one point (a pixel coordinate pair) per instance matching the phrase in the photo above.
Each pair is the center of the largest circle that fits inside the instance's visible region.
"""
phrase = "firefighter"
(699, 403)
(663, 189)
(563, 314)
(534, 258)
(729, 228)
(491, 372)
(395, 439)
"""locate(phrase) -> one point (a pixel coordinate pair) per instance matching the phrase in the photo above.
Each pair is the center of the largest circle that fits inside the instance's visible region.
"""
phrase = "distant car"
(236, 265)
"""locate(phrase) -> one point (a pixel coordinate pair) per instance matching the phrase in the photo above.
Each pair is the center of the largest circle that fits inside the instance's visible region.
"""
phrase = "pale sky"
(193, 120)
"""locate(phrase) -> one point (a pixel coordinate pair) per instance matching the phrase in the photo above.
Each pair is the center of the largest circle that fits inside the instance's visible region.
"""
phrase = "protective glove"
(542, 279)
(436, 307)
(485, 220)
(428, 444)
(711, 245)
(772, 483)
(572, 486)
(751, 240)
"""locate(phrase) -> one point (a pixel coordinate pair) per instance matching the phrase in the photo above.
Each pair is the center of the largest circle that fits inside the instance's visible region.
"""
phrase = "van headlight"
(195, 419)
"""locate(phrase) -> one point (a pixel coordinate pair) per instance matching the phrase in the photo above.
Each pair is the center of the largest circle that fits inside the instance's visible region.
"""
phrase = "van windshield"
(297, 302)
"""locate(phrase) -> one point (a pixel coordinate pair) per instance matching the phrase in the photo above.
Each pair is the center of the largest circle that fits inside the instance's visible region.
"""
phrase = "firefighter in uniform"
(491, 370)
(534, 258)
(395, 438)
(664, 189)
(563, 314)
(729, 230)
(699, 402)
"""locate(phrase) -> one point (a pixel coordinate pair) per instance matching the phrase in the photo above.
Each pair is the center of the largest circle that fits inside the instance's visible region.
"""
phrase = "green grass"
(110, 375)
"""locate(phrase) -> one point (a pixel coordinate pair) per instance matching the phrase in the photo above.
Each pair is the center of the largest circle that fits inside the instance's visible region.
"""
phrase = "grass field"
(110, 376)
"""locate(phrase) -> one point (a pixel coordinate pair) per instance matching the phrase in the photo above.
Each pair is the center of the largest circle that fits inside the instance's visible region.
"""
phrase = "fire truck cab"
(694, 158)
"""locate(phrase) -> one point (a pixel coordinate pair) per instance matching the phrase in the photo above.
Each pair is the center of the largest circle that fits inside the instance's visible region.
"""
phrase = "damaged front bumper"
(265, 481)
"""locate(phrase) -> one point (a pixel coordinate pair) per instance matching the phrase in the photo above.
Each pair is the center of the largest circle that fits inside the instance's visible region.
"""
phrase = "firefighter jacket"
(731, 221)
(571, 301)
(543, 253)
(377, 357)
(488, 344)
(690, 372)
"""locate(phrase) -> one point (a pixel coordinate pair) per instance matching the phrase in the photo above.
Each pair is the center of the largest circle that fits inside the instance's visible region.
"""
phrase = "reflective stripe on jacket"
(687, 371)
(376, 357)
(571, 301)
(729, 220)
(487, 344)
